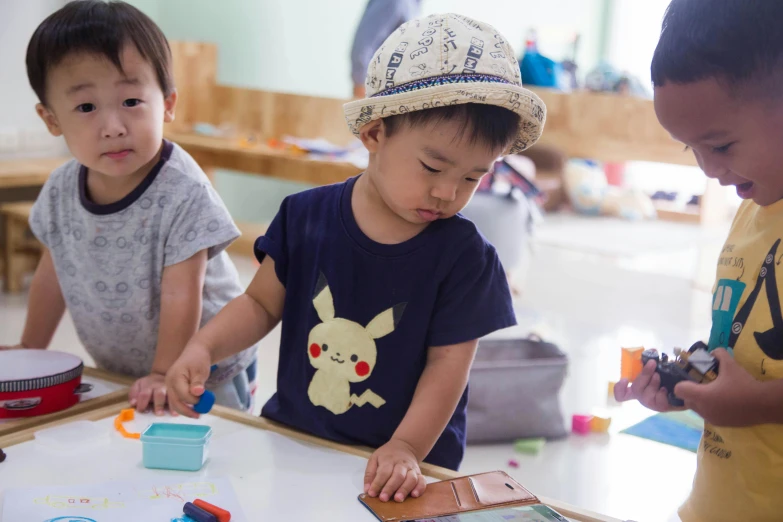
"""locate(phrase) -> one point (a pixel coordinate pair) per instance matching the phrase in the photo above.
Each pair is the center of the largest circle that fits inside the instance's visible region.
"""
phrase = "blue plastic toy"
(181, 447)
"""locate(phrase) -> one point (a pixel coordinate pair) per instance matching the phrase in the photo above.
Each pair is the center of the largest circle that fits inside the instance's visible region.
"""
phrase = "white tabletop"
(274, 477)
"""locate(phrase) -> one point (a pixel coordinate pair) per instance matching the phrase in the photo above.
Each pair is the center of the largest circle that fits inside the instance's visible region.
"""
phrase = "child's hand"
(393, 472)
(149, 390)
(733, 399)
(17, 347)
(186, 378)
(646, 388)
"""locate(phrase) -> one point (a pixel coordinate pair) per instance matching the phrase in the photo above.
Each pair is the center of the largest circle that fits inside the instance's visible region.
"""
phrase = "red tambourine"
(37, 382)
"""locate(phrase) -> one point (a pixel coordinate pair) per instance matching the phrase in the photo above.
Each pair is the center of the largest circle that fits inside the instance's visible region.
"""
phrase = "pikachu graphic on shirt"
(344, 352)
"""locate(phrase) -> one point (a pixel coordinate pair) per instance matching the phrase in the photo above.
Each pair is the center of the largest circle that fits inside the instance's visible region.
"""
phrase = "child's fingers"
(642, 381)
(159, 400)
(421, 486)
(182, 386)
(397, 478)
(133, 394)
(650, 391)
(661, 401)
(198, 379)
(369, 473)
(382, 475)
(622, 391)
(410, 482)
(175, 404)
(143, 399)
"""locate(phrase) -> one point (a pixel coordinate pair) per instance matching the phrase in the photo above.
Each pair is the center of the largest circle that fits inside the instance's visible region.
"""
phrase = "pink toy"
(581, 424)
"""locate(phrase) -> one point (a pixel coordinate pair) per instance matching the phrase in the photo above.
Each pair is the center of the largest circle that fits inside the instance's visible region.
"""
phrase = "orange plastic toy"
(124, 416)
(631, 363)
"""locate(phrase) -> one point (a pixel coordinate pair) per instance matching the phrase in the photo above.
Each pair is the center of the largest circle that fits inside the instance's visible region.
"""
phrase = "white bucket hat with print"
(447, 59)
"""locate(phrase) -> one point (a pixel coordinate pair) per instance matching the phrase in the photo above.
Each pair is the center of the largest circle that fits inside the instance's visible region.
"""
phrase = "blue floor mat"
(680, 429)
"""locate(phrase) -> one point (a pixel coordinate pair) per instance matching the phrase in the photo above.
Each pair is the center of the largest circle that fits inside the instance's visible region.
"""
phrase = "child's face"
(736, 139)
(112, 122)
(425, 173)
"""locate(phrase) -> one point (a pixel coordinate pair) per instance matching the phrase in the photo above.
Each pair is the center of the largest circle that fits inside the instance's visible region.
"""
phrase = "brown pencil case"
(452, 497)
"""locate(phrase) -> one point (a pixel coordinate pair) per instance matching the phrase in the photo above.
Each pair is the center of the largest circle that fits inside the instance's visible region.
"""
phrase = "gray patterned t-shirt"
(109, 259)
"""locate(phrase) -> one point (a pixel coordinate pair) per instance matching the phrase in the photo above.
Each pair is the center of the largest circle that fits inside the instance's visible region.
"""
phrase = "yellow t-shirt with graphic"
(739, 475)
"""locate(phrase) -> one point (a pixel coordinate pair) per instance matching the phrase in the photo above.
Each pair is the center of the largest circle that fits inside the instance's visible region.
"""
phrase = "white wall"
(556, 21)
(18, 20)
(634, 29)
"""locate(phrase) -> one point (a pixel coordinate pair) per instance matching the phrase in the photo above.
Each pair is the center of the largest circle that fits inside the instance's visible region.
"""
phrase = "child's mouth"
(118, 154)
(745, 190)
(428, 215)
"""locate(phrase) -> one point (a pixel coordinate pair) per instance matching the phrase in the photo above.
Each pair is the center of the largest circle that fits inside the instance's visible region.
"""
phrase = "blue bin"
(181, 447)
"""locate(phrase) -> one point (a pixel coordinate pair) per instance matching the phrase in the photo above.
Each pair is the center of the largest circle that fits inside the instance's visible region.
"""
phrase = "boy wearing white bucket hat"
(382, 287)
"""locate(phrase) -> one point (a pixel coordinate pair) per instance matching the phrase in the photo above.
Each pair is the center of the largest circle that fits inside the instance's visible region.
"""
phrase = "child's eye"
(428, 168)
(131, 102)
(472, 180)
(723, 149)
(85, 107)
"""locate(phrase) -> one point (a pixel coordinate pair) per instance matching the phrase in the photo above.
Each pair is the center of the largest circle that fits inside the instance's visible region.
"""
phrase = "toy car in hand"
(696, 365)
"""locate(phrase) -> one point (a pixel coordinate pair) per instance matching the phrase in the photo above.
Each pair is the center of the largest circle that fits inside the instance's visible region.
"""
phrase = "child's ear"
(373, 135)
(169, 104)
(49, 119)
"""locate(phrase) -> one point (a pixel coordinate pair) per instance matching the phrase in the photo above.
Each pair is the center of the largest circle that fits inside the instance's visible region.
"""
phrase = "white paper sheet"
(158, 500)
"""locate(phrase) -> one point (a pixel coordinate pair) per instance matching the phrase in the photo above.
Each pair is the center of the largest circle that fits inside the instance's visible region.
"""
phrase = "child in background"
(718, 72)
(134, 234)
(383, 289)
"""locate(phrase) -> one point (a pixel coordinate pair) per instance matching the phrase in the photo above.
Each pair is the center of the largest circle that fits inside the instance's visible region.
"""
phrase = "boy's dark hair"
(733, 41)
(96, 27)
(489, 125)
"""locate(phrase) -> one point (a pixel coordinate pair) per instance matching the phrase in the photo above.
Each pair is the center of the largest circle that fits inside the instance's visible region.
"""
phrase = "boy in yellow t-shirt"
(718, 77)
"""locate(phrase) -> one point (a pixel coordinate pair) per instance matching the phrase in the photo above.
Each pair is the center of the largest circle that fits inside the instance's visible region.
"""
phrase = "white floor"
(591, 301)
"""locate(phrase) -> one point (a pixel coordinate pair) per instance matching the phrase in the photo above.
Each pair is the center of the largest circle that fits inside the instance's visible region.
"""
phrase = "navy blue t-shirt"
(359, 317)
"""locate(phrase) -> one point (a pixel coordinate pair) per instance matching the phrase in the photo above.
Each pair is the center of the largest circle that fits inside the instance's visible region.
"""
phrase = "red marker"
(221, 514)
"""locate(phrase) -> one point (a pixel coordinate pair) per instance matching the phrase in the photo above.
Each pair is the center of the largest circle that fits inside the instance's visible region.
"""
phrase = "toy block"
(600, 424)
(529, 446)
(631, 363)
(581, 424)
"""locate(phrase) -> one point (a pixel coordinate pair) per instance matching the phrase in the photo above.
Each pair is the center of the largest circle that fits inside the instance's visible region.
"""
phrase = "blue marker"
(207, 399)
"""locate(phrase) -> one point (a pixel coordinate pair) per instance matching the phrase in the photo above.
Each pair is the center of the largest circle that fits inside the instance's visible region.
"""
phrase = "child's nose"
(113, 127)
(445, 191)
(712, 167)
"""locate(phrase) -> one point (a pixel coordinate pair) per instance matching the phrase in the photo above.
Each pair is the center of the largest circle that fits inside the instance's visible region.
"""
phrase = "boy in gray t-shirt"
(133, 230)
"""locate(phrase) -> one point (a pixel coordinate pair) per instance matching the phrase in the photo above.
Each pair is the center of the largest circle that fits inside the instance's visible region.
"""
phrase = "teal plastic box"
(181, 447)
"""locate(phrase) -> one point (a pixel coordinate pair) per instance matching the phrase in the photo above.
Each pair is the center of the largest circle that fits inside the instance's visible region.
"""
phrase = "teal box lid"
(169, 433)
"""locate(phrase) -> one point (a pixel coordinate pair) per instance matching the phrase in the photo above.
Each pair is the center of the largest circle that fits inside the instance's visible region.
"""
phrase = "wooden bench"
(31, 172)
(20, 250)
